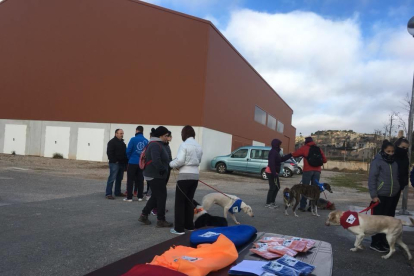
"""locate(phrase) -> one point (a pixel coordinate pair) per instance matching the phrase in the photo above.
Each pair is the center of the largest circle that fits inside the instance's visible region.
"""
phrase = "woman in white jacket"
(187, 161)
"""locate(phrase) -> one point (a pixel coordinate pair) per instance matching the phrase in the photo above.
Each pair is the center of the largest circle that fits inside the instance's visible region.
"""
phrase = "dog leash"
(214, 189)
(178, 186)
(371, 206)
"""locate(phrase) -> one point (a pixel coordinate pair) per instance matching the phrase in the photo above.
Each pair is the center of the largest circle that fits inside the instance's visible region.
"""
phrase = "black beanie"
(160, 131)
(308, 140)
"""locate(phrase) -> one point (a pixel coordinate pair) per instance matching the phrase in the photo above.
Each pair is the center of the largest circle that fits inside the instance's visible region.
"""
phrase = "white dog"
(370, 225)
(230, 203)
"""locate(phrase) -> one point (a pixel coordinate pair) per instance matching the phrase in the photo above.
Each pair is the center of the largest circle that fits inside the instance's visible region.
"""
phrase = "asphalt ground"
(55, 223)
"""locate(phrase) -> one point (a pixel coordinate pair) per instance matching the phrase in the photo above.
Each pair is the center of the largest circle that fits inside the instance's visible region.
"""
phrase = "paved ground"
(54, 220)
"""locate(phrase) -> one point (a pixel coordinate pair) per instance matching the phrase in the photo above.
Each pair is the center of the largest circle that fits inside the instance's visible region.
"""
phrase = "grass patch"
(57, 156)
(350, 180)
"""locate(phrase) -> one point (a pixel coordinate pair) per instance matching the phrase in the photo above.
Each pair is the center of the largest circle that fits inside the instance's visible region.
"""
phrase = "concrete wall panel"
(57, 140)
(15, 139)
(90, 144)
(214, 143)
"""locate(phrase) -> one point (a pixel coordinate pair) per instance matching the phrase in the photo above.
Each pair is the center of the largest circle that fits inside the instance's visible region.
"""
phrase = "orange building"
(73, 71)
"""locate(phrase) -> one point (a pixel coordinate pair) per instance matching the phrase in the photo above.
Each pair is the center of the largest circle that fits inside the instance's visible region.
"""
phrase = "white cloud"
(327, 72)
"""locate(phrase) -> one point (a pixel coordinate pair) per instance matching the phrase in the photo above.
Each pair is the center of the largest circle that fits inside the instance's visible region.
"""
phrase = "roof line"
(217, 30)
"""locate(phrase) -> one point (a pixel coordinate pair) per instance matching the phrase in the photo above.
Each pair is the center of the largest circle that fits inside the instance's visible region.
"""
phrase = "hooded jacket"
(304, 151)
(274, 159)
(401, 158)
(383, 178)
(188, 157)
(159, 158)
(135, 147)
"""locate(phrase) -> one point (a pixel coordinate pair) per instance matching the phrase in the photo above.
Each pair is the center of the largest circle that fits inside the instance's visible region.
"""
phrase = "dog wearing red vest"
(362, 225)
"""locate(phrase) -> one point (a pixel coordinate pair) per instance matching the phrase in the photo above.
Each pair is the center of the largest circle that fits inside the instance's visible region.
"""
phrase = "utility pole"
(390, 130)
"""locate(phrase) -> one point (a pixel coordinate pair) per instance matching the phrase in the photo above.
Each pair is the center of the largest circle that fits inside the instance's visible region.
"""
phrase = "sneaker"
(274, 205)
(147, 198)
(154, 212)
(144, 219)
(378, 248)
(127, 200)
(270, 206)
(109, 197)
(121, 194)
(386, 246)
(163, 223)
(172, 231)
(139, 199)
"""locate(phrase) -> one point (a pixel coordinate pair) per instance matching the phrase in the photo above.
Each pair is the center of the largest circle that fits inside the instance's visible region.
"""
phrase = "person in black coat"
(118, 160)
(401, 157)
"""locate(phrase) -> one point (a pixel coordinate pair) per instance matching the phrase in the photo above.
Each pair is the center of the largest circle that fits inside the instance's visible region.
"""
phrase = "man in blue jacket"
(134, 173)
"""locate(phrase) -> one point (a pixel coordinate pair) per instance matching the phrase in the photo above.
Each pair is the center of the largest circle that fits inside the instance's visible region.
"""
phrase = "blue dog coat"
(238, 234)
(236, 207)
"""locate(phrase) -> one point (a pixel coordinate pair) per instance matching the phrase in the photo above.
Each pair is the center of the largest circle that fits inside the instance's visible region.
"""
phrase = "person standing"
(272, 172)
(401, 157)
(116, 151)
(155, 172)
(187, 161)
(383, 187)
(313, 159)
(134, 172)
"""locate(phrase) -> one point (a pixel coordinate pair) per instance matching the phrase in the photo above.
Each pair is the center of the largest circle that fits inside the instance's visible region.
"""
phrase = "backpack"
(143, 158)
(315, 157)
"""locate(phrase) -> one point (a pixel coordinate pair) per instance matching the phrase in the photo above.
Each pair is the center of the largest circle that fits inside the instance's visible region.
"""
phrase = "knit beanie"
(160, 131)
(308, 140)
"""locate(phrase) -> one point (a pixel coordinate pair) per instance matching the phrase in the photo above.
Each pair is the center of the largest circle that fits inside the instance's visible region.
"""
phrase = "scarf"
(387, 157)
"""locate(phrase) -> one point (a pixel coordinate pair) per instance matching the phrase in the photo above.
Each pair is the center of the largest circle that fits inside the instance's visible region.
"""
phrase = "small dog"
(311, 192)
(226, 201)
(202, 218)
(370, 225)
(326, 204)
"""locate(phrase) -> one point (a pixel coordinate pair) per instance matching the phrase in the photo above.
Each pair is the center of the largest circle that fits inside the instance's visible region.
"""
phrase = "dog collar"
(328, 205)
(198, 210)
(286, 195)
(320, 185)
(236, 207)
(349, 219)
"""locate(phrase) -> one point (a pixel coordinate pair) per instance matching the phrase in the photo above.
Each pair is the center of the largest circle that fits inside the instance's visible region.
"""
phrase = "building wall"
(88, 141)
(101, 61)
(233, 89)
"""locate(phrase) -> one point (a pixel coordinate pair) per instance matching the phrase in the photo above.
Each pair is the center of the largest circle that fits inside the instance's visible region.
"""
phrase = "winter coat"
(383, 178)
(274, 159)
(188, 157)
(116, 151)
(304, 151)
(158, 156)
(403, 167)
(135, 147)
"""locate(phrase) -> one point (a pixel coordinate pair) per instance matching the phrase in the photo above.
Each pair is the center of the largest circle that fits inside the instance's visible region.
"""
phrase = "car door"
(255, 160)
(238, 160)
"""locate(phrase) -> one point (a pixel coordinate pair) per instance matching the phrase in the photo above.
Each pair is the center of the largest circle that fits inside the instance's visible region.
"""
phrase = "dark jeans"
(395, 201)
(274, 187)
(385, 208)
(158, 198)
(134, 174)
(184, 209)
(116, 173)
(308, 178)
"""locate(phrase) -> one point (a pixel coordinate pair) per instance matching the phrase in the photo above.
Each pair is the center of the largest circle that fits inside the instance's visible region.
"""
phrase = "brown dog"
(311, 192)
(370, 225)
(326, 204)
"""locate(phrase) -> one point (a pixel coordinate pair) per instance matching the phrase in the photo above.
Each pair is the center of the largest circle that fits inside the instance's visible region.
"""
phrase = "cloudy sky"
(338, 64)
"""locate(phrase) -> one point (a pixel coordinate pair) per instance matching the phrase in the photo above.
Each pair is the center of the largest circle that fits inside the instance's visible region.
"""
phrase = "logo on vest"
(351, 219)
(190, 259)
(209, 234)
(235, 209)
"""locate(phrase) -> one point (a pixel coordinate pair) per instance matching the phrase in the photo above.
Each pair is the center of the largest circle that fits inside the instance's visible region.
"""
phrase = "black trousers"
(385, 208)
(134, 174)
(184, 209)
(274, 186)
(158, 198)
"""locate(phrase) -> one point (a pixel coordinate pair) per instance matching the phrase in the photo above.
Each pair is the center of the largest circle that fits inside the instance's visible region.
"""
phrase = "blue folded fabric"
(238, 234)
(303, 268)
(280, 270)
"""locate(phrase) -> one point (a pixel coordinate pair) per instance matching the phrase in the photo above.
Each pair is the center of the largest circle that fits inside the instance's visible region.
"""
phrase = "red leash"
(370, 207)
(214, 188)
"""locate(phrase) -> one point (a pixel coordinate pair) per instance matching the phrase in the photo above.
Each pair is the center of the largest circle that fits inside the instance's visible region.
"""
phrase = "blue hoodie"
(135, 147)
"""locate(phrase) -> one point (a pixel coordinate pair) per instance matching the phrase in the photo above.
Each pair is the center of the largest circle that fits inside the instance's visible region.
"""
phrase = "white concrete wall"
(57, 140)
(260, 144)
(88, 141)
(214, 143)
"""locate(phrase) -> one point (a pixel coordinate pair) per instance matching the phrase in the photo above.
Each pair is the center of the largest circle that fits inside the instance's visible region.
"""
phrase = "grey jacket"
(159, 158)
(383, 178)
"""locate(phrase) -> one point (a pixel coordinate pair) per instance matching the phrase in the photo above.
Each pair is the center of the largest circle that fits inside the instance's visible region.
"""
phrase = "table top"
(320, 256)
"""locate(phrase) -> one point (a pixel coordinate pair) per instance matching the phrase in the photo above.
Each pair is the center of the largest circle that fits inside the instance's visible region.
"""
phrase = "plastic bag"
(302, 267)
(272, 239)
(310, 243)
(282, 250)
(297, 245)
(261, 250)
(280, 269)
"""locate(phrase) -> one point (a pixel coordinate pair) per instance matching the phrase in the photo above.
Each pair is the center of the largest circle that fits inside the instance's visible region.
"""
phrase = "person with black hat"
(313, 159)
(155, 173)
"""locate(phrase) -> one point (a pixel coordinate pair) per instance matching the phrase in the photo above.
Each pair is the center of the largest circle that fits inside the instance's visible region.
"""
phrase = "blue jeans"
(116, 173)
(308, 178)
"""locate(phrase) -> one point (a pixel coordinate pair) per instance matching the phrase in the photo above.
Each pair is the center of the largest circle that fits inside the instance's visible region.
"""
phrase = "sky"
(338, 64)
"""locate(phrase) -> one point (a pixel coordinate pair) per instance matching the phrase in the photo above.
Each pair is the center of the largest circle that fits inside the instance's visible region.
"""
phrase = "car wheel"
(264, 176)
(221, 168)
(287, 172)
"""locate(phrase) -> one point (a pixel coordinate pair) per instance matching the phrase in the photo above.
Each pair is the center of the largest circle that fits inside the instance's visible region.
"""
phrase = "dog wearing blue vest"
(231, 205)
